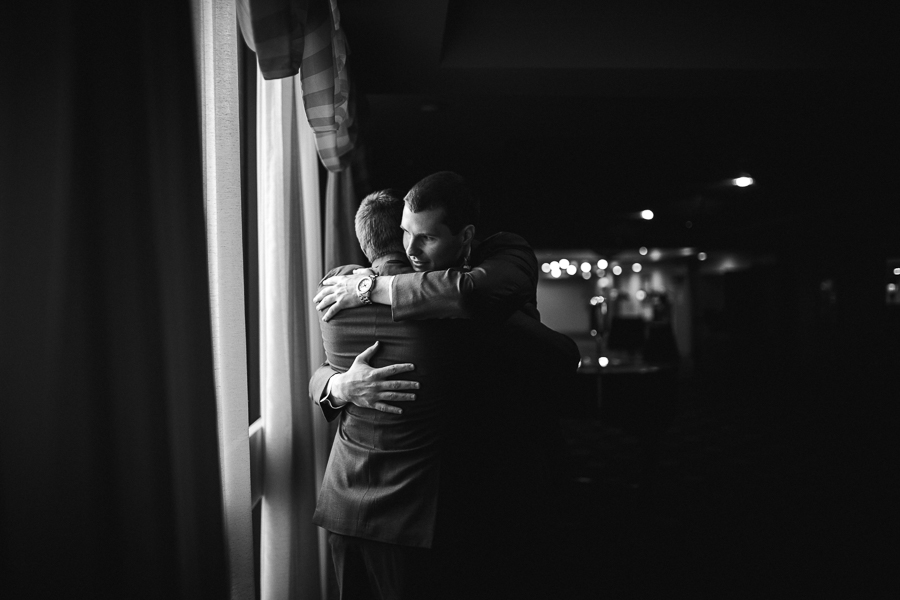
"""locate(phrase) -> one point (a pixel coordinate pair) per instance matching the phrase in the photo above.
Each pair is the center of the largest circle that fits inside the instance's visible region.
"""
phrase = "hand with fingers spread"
(369, 387)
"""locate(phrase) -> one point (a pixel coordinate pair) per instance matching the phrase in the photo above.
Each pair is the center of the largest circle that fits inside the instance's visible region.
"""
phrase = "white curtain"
(293, 557)
(216, 46)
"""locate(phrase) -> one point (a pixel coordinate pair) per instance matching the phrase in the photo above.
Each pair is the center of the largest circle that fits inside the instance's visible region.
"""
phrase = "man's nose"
(412, 248)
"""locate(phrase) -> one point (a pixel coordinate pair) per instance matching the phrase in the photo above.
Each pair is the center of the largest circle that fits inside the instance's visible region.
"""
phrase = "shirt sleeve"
(318, 385)
(503, 281)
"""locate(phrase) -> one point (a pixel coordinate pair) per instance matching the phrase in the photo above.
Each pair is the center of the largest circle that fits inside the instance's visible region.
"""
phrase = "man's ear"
(468, 234)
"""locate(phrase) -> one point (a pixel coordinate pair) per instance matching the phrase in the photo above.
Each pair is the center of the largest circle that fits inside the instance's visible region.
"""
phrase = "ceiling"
(568, 118)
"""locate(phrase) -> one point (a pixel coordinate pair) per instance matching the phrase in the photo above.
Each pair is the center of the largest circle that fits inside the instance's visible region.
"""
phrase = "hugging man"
(390, 476)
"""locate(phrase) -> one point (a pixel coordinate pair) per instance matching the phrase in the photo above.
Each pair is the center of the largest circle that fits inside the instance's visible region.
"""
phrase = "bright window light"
(603, 361)
(545, 267)
(617, 270)
(640, 294)
(555, 273)
(743, 181)
(643, 250)
(585, 267)
(636, 267)
(646, 214)
(564, 263)
(602, 264)
(571, 269)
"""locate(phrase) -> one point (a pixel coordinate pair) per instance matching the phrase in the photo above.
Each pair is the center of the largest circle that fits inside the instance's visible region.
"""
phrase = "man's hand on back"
(368, 387)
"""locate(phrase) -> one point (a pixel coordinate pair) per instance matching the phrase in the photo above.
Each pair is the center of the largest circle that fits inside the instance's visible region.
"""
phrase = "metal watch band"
(366, 296)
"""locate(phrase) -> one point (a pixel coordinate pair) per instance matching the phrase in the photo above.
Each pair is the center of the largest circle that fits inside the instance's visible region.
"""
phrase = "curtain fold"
(109, 467)
(293, 562)
(216, 44)
(305, 111)
(304, 36)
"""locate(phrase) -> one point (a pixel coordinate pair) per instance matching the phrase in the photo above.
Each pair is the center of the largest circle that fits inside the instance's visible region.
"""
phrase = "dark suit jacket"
(384, 470)
(502, 281)
(519, 364)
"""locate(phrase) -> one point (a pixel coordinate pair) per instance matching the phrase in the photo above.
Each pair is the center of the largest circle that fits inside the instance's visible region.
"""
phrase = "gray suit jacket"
(384, 470)
(474, 357)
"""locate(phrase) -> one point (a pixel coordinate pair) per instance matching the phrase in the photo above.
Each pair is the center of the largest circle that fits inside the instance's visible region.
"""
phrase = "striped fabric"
(291, 36)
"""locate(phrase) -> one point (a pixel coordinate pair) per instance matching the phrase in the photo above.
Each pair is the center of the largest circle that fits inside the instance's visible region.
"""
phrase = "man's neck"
(391, 264)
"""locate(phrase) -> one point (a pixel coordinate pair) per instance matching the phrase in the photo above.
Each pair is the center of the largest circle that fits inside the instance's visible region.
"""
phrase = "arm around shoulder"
(502, 280)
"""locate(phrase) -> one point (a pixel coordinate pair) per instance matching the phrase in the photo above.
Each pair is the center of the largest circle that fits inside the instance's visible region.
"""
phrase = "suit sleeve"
(317, 385)
(319, 381)
(502, 282)
(557, 353)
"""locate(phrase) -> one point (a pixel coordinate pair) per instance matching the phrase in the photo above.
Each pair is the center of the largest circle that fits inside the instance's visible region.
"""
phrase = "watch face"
(364, 285)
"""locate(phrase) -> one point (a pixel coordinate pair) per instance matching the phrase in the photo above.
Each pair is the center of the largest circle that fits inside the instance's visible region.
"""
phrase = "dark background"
(570, 118)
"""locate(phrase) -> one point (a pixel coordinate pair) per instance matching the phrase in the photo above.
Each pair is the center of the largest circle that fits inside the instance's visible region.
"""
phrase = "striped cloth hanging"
(291, 36)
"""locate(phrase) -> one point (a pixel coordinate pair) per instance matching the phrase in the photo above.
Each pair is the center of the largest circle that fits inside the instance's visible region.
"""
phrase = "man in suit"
(379, 496)
(493, 284)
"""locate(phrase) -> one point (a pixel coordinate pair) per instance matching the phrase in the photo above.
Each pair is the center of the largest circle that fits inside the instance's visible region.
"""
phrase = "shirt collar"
(394, 259)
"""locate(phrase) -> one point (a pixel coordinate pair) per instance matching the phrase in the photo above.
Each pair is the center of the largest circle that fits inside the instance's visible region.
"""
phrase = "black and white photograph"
(449, 300)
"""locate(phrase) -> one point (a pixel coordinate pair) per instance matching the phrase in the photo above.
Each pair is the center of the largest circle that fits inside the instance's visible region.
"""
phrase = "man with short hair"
(379, 496)
(493, 284)
(489, 280)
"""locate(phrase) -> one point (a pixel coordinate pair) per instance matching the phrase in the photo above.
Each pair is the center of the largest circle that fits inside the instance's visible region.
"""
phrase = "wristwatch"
(364, 289)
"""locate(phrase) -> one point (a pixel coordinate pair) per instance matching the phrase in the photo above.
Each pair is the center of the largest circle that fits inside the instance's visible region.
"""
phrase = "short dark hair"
(449, 191)
(378, 224)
